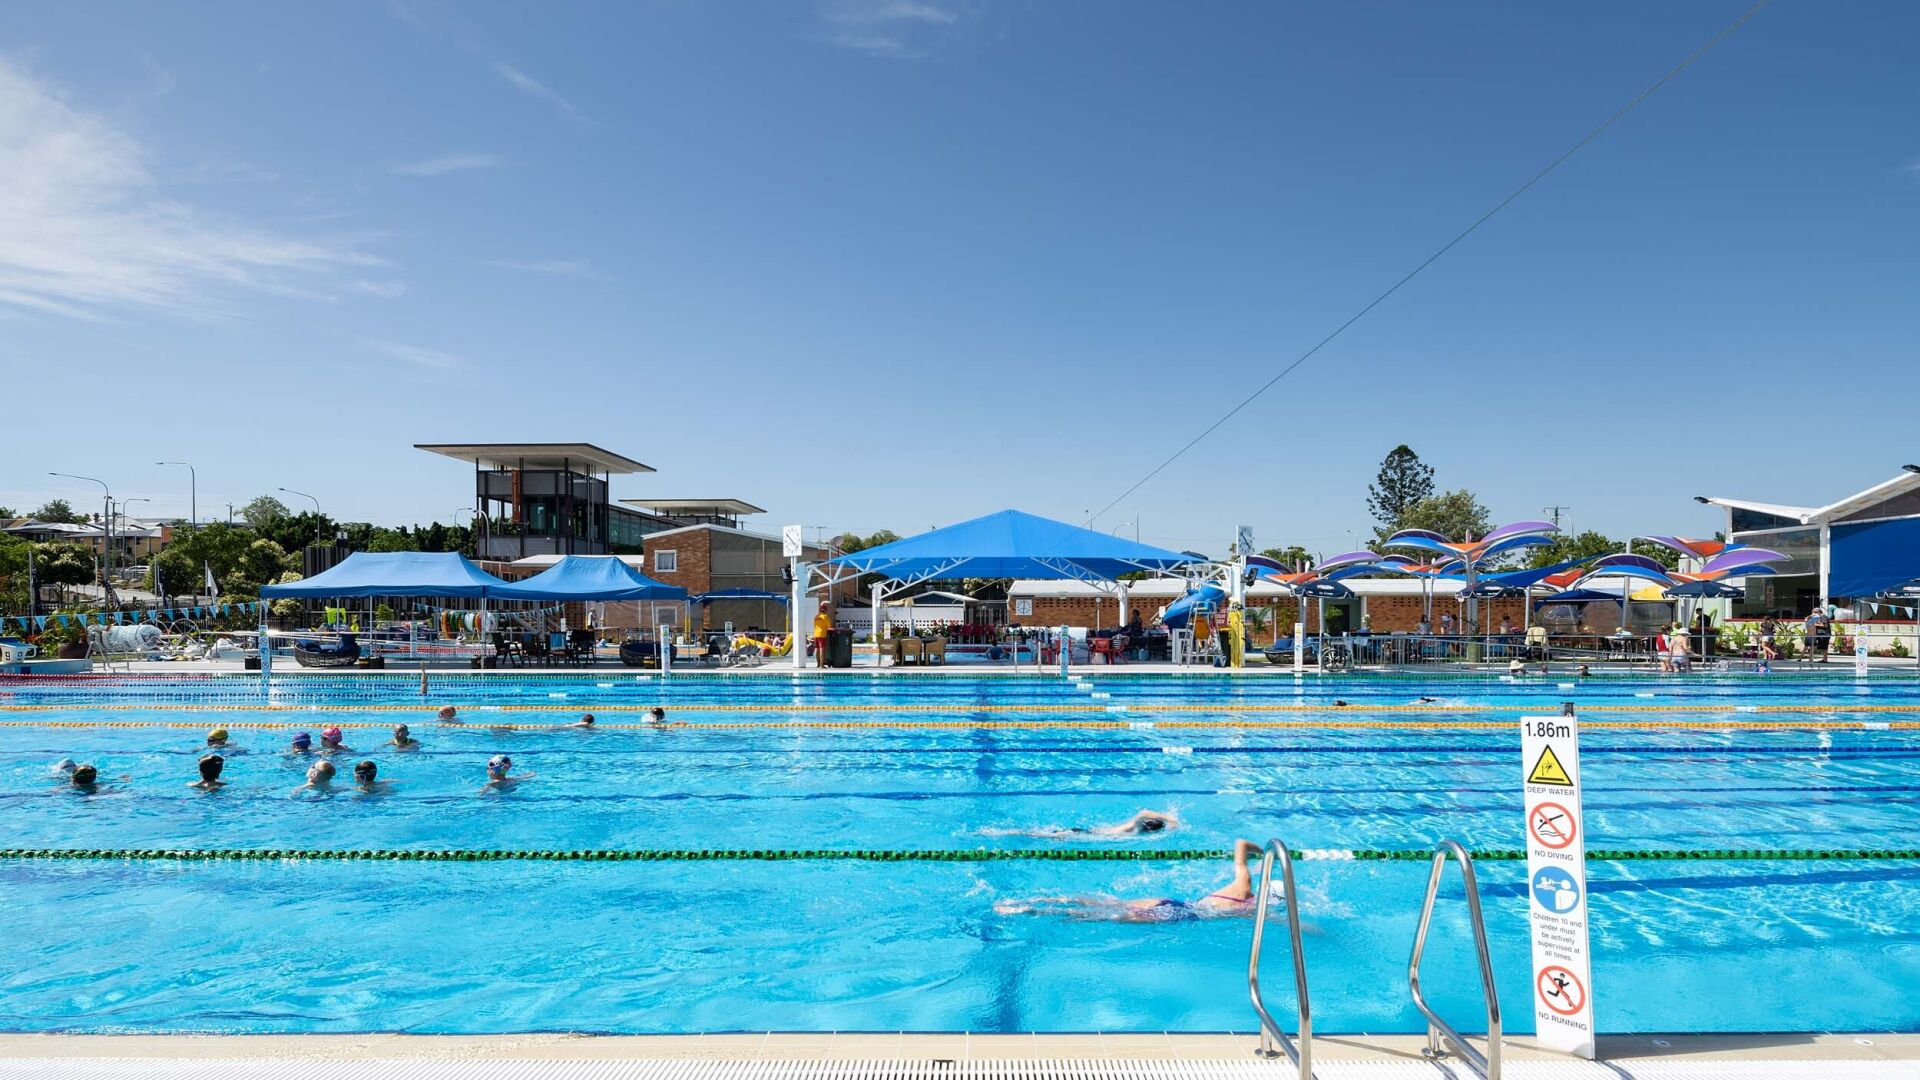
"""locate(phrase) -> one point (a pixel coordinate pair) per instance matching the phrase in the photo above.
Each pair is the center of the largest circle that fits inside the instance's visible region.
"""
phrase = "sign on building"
(1557, 882)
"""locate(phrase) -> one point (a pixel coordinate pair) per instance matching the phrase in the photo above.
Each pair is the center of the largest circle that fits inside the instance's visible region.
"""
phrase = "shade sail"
(393, 573)
(589, 577)
(1011, 544)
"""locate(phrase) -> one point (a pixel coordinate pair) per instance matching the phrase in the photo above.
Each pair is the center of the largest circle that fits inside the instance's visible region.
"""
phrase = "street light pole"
(193, 493)
(106, 535)
(304, 495)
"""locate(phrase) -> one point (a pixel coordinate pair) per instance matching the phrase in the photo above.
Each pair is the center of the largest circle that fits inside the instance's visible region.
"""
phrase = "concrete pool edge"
(882, 1046)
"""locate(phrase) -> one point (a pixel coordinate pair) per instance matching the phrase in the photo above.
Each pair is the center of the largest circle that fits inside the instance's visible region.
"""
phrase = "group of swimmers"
(85, 778)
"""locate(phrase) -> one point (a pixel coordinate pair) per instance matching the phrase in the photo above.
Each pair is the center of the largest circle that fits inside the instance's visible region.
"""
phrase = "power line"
(1435, 257)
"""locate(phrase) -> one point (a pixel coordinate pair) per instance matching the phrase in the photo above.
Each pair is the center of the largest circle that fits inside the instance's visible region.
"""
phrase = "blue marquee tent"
(588, 577)
(1011, 544)
(393, 573)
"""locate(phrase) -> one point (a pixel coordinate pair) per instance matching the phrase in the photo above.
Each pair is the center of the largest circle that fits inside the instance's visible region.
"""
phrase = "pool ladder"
(1441, 1036)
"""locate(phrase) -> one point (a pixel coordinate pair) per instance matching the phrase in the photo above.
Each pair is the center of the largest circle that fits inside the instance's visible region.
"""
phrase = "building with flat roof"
(549, 499)
(1847, 550)
(726, 512)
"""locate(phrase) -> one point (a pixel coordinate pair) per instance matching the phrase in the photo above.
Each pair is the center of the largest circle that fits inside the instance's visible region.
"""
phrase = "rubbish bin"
(840, 647)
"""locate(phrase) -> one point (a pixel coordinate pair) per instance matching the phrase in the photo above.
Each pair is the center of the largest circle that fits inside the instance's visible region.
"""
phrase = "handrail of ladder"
(1440, 1034)
(1270, 1031)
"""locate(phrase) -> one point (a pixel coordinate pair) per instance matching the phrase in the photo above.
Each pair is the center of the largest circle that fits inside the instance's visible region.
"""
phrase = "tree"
(7, 512)
(1586, 545)
(295, 531)
(1293, 556)
(1404, 480)
(183, 564)
(59, 512)
(264, 511)
(64, 564)
(1456, 515)
(261, 562)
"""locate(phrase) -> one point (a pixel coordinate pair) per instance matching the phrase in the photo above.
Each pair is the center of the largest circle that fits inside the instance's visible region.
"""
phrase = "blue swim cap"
(303, 739)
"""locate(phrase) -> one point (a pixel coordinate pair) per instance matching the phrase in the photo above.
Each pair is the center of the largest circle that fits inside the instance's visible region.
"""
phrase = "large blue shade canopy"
(589, 577)
(393, 573)
(1011, 544)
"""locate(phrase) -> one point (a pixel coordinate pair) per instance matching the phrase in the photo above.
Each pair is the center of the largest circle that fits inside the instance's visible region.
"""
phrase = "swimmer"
(1338, 704)
(1144, 823)
(1516, 667)
(1426, 700)
(1229, 900)
(210, 767)
(217, 738)
(1583, 672)
(656, 715)
(448, 715)
(403, 739)
(302, 743)
(497, 779)
(64, 768)
(366, 777)
(319, 777)
(84, 778)
(584, 722)
(330, 742)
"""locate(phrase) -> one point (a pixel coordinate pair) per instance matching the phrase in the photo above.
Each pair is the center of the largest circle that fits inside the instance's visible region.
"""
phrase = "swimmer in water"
(210, 767)
(302, 743)
(1144, 823)
(1516, 666)
(1583, 672)
(448, 715)
(319, 777)
(84, 779)
(497, 779)
(366, 777)
(1232, 899)
(330, 742)
(656, 715)
(403, 739)
(584, 722)
(217, 739)
(64, 768)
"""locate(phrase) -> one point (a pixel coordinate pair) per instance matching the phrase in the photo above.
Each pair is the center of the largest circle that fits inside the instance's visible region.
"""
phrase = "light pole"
(124, 503)
(304, 495)
(106, 525)
(193, 493)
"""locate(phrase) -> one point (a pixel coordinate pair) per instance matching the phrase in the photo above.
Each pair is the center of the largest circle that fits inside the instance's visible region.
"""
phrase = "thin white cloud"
(447, 163)
(530, 85)
(557, 267)
(899, 29)
(386, 290)
(431, 359)
(84, 228)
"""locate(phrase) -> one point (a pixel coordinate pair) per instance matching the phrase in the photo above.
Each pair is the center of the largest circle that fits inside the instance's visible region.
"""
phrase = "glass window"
(666, 562)
(1800, 545)
(1748, 520)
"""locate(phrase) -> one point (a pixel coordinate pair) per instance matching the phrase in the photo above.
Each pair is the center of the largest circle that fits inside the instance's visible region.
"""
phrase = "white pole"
(1299, 632)
(1066, 651)
(796, 598)
(879, 623)
(665, 630)
(1123, 603)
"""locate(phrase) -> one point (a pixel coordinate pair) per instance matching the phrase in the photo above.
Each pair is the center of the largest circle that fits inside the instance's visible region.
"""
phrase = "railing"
(1270, 1031)
(1410, 650)
(1440, 1034)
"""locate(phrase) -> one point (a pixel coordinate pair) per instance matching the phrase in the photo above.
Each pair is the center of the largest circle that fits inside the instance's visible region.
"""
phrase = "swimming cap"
(65, 764)
(366, 770)
(302, 739)
(217, 735)
(499, 763)
(84, 774)
(332, 734)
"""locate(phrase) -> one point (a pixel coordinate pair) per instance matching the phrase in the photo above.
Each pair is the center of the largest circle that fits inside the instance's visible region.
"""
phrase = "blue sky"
(894, 263)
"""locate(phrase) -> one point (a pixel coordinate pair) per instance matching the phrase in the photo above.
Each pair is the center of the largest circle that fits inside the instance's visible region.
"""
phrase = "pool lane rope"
(482, 724)
(590, 704)
(969, 855)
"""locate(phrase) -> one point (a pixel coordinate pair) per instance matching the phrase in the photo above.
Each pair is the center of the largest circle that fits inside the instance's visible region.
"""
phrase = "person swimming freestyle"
(1144, 823)
(1235, 898)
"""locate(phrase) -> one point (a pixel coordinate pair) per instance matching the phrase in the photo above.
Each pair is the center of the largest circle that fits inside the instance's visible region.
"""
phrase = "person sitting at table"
(1506, 626)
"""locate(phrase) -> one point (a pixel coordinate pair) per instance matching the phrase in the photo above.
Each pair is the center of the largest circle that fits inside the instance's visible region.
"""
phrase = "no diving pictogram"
(1560, 989)
(1552, 825)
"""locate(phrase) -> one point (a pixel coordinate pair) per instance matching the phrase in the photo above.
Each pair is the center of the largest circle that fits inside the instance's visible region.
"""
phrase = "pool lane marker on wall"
(1556, 894)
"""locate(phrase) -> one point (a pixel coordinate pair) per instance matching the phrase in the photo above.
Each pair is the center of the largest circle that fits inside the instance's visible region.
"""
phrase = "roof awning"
(584, 457)
(393, 573)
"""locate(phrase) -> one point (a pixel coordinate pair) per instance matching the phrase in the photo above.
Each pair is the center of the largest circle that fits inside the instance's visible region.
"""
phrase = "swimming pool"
(952, 763)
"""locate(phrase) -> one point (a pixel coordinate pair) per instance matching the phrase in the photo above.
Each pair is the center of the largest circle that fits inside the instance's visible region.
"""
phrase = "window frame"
(666, 561)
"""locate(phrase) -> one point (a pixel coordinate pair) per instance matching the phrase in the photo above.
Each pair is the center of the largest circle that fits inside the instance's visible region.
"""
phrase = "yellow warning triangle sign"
(1548, 770)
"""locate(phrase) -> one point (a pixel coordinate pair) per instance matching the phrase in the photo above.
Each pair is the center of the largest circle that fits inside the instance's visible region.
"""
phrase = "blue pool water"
(812, 945)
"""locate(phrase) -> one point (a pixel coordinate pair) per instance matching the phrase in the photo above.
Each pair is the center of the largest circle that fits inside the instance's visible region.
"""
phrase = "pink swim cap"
(331, 733)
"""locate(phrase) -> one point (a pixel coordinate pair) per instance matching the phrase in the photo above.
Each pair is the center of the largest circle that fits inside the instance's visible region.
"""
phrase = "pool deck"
(1175, 1054)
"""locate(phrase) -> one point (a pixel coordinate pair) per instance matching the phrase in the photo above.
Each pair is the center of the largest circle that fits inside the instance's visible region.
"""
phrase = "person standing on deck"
(822, 626)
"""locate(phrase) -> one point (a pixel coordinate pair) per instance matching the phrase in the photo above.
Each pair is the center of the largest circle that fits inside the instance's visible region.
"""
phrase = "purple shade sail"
(1624, 559)
(1735, 560)
(1520, 528)
(1347, 558)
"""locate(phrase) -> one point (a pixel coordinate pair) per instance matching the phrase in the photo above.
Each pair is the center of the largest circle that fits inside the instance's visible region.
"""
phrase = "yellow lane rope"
(590, 705)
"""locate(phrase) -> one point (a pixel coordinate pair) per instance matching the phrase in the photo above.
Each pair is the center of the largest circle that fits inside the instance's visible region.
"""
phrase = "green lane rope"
(925, 855)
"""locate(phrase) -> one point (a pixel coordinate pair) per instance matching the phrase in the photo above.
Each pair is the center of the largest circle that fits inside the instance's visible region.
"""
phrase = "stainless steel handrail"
(1440, 1034)
(1270, 1032)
